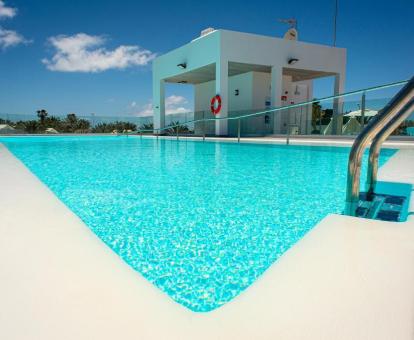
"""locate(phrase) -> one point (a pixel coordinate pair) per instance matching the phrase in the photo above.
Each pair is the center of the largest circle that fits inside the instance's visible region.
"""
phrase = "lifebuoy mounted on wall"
(215, 104)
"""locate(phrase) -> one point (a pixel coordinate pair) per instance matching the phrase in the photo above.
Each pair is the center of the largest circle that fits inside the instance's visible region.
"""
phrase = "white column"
(308, 109)
(158, 103)
(276, 89)
(339, 87)
(222, 87)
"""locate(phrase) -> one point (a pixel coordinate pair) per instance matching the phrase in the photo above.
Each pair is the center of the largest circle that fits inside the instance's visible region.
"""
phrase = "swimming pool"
(201, 221)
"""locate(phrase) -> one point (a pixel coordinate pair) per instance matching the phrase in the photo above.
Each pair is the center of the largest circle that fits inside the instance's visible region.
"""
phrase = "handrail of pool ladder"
(376, 144)
(270, 110)
(378, 129)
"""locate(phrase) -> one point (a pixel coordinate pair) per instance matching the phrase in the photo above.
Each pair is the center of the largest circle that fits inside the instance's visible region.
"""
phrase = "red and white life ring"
(215, 104)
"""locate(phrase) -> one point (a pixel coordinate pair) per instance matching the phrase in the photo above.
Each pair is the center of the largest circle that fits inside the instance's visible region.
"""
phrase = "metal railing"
(174, 127)
(285, 121)
(377, 131)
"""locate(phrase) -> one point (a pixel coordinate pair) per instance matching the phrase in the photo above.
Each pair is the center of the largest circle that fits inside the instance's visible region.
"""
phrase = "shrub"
(110, 127)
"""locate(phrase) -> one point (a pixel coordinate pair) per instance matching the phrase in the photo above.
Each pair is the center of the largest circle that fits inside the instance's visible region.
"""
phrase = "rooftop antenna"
(292, 32)
(292, 22)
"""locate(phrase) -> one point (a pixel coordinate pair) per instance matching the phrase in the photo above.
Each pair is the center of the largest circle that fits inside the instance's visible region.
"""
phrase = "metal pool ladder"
(376, 132)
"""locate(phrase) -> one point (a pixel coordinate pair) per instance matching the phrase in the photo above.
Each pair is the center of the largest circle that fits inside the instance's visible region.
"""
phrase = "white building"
(6, 129)
(250, 72)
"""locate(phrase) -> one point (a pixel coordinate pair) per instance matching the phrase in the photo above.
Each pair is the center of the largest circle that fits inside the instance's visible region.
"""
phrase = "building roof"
(6, 127)
(195, 62)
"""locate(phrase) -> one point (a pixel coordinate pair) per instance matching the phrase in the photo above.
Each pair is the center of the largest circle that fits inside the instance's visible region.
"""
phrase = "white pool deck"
(347, 279)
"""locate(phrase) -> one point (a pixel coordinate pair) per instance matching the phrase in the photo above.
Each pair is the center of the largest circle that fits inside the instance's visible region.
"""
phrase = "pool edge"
(131, 301)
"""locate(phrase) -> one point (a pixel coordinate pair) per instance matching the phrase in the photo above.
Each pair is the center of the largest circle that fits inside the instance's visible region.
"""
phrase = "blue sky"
(35, 37)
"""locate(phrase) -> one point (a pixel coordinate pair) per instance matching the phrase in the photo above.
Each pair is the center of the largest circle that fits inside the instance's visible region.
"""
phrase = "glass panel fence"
(344, 115)
(181, 123)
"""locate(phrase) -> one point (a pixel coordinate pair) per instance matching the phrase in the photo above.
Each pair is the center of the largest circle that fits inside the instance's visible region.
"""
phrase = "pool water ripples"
(201, 221)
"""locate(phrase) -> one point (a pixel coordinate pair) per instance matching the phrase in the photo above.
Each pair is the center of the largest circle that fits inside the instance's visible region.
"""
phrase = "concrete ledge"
(341, 141)
(400, 142)
(347, 279)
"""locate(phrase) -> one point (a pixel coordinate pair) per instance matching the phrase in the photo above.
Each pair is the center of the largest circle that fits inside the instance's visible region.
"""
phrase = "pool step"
(381, 207)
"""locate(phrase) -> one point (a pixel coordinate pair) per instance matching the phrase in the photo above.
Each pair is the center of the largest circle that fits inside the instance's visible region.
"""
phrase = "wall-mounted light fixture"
(236, 92)
(292, 61)
(182, 65)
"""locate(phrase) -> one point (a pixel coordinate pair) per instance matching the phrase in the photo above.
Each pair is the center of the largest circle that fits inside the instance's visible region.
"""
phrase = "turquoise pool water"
(201, 221)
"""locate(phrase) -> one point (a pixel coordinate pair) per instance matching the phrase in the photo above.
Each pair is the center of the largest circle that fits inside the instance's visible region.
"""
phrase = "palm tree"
(72, 119)
(83, 125)
(42, 114)
(177, 127)
(316, 114)
(31, 126)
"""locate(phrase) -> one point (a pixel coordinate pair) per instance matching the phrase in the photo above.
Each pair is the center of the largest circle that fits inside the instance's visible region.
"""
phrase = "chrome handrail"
(376, 144)
(379, 123)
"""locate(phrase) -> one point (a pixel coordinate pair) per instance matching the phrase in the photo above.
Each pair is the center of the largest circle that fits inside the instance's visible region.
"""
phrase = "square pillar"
(337, 118)
(308, 110)
(276, 89)
(222, 88)
(158, 103)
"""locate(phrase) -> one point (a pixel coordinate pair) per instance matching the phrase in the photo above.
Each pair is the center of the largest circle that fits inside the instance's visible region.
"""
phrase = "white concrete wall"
(196, 54)
(254, 88)
(254, 91)
(243, 82)
(222, 47)
(263, 50)
(261, 90)
(205, 91)
(301, 117)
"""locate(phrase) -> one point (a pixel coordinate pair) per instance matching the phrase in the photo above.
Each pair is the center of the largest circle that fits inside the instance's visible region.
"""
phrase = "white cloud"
(176, 110)
(175, 100)
(10, 38)
(173, 104)
(84, 53)
(146, 111)
(6, 12)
